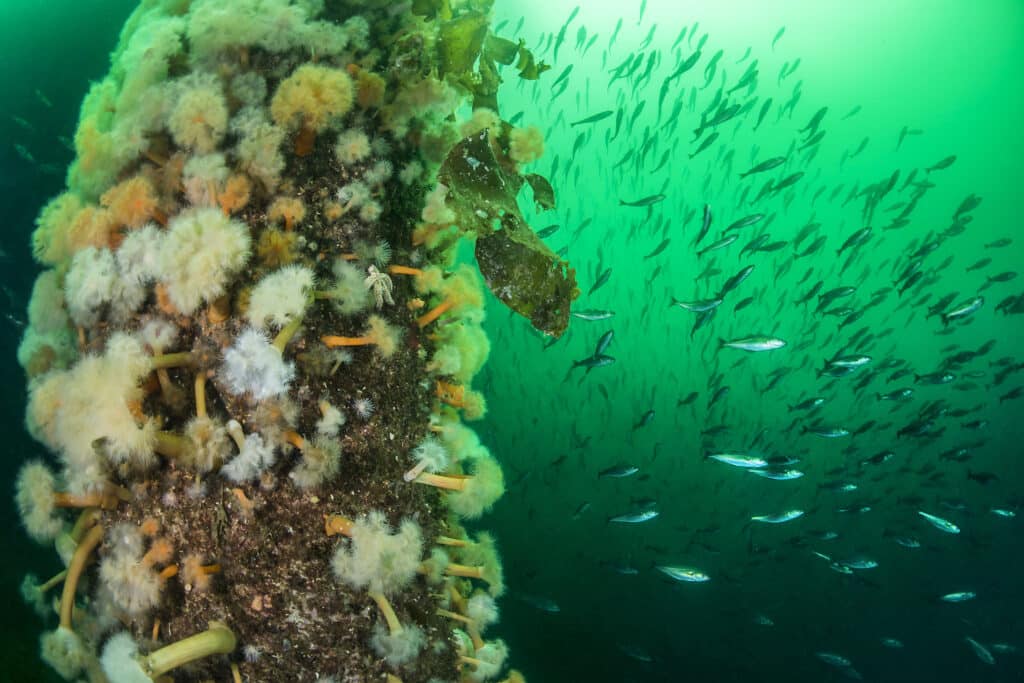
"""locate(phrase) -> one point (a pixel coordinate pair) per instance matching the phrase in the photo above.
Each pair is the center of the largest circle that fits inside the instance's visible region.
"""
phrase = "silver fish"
(593, 314)
(777, 475)
(687, 574)
(940, 523)
(963, 310)
(634, 517)
(739, 459)
(698, 306)
(826, 432)
(618, 471)
(833, 659)
(981, 651)
(960, 596)
(779, 517)
(753, 343)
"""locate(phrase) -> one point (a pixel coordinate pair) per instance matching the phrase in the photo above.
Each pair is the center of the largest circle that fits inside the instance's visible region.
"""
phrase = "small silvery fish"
(603, 343)
(826, 432)
(860, 563)
(739, 459)
(765, 166)
(892, 642)
(777, 475)
(753, 343)
(698, 306)
(634, 517)
(645, 201)
(854, 361)
(593, 314)
(548, 231)
(963, 310)
(634, 652)
(619, 568)
(687, 574)
(601, 280)
(705, 225)
(960, 596)
(539, 602)
(908, 542)
(779, 517)
(744, 222)
(981, 651)
(833, 659)
(594, 362)
(618, 471)
(720, 244)
(594, 118)
(940, 523)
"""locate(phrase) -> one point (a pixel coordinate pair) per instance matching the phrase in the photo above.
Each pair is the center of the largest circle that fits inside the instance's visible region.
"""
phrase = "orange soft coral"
(133, 203)
(460, 291)
(92, 227)
(276, 248)
(369, 89)
(235, 195)
(309, 99)
(291, 210)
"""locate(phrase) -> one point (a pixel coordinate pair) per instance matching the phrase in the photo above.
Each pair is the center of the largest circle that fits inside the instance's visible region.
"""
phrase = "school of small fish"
(826, 334)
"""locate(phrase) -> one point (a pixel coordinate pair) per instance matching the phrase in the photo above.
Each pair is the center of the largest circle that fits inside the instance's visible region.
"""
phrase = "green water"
(946, 69)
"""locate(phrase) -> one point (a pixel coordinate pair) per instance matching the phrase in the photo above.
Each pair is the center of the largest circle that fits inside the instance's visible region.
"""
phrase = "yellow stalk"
(173, 360)
(53, 581)
(465, 571)
(455, 615)
(456, 542)
(286, 333)
(394, 625)
(396, 269)
(75, 567)
(201, 394)
(332, 341)
(171, 445)
(452, 482)
(217, 639)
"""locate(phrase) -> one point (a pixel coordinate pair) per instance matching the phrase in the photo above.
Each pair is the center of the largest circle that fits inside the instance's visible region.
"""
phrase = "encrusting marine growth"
(219, 298)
